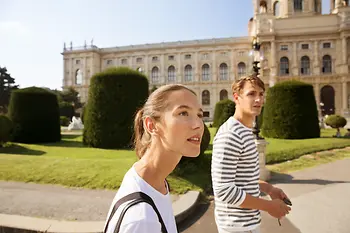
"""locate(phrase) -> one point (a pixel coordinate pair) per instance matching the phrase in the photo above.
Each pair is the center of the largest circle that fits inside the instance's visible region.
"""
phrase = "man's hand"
(277, 193)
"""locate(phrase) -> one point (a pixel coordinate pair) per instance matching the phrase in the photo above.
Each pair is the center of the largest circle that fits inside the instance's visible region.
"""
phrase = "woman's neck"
(155, 166)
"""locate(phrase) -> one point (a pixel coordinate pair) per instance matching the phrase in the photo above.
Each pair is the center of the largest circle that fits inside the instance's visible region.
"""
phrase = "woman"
(168, 127)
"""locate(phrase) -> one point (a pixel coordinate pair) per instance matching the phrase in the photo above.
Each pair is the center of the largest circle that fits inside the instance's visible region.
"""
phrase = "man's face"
(250, 100)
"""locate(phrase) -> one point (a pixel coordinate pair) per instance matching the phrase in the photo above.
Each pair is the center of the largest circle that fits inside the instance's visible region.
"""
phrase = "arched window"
(276, 9)
(305, 65)
(284, 66)
(205, 72)
(78, 77)
(188, 73)
(171, 74)
(223, 94)
(155, 75)
(223, 71)
(206, 97)
(327, 64)
(241, 69)
(298, 5)
(263, 7)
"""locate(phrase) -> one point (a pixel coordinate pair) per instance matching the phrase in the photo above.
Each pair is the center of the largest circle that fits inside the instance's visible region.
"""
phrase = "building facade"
(297, 42)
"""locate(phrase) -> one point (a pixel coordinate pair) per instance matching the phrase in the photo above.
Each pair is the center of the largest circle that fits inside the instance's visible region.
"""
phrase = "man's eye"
(183, 113)
(200, 115)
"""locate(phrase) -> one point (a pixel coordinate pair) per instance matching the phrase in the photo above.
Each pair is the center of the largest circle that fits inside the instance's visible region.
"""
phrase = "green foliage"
(335, 121)
(35, 115)
(66, 109)
(82, 113)
(224, 109)
(290, 111)
(6, 127)
(64, 121)
(6, 87)
(114, 97)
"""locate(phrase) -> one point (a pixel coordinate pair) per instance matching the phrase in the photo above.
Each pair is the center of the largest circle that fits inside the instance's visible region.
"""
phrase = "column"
(85, 73)
(345, 96)
(273, 70)
(316, 58)
(294, 60)
(344, 50)
(72, 71)
(213, 68)
(317, 97)
(181, 68)
(195, 70)
(163, 73)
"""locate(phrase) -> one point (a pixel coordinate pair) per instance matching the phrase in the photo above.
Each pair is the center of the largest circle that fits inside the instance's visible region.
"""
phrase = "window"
(206, 97)
(109, 62)
(305, 46)
(327, 64)
(276, 9)
(78, 77)
(223, 72)
(241, 53)
(139, 59)
(326, 45)
(205, 56)
(188, 56)
(154, 59)
(298, 5)
(171, 74)
(188, 73)
(77, 62)
(205, 72)
(171, 58)
(124, 61)
(284, 47)
(284, 66)
(223, 94)
(241, 69)
(305, 65)
(155, 75)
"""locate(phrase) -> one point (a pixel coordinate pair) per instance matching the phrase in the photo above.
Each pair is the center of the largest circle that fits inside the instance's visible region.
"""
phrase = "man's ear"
(235, 97)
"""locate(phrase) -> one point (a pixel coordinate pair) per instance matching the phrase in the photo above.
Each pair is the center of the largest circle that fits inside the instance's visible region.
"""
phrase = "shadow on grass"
(20, 150)
(281, 178)
(70, 136)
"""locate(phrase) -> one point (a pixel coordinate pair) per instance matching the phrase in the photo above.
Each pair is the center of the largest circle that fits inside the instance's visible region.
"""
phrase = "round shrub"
(290, 111)
(6, 127)
(223, 110)
(64, 121)
(66, 109)
(335, 121)
(205, 140)
(114, 97)
(35, 114)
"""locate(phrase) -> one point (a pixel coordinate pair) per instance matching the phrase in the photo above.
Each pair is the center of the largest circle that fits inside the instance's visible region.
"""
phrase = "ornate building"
(297, 42)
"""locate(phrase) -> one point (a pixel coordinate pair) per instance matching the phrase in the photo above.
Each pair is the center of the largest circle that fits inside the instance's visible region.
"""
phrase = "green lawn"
(70, 163)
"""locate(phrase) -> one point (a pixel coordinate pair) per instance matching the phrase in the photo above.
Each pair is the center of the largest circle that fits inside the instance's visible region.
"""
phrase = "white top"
(142, 217)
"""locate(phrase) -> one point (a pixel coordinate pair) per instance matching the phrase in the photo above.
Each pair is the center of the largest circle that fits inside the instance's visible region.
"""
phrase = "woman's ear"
(150, 125)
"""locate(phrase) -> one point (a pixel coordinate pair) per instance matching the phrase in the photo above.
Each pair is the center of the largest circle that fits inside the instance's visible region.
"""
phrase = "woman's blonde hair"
(155, 104)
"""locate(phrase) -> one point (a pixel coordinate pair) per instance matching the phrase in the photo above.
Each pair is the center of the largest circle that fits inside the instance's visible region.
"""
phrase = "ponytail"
(139, 132)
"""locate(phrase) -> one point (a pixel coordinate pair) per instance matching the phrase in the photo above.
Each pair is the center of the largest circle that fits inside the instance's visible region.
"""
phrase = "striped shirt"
(235, 173)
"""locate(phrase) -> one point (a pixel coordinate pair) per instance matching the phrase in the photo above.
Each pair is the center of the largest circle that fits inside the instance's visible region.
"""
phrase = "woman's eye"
(183, 113)
(200, 115)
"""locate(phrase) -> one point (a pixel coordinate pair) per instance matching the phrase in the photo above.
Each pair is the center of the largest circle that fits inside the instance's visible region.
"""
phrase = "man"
(235, 166)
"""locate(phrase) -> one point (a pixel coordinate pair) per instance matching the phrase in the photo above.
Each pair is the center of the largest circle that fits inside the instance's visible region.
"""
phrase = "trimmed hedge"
(6, 127)
(335, 121)
(35, 114)
(67, 110)
(223, 110)
(114, 97)
(290, 111)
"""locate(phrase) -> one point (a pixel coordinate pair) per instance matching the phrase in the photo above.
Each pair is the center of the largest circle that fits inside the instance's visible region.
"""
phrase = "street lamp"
(256, 67)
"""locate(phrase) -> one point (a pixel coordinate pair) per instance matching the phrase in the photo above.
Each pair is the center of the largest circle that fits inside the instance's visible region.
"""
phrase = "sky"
(32, 33)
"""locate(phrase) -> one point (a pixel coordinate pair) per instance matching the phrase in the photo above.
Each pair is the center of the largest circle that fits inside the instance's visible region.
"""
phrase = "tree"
(70, 96)
(6, 86)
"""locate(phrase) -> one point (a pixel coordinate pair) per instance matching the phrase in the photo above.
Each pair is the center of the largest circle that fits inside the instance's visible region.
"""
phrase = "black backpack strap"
(134, 199)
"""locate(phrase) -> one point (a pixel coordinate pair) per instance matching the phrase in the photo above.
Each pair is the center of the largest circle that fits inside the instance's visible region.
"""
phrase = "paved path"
(55, 202)
(320, 197)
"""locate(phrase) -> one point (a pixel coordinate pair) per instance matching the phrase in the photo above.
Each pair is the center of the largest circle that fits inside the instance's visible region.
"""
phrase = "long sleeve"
(227, 148)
